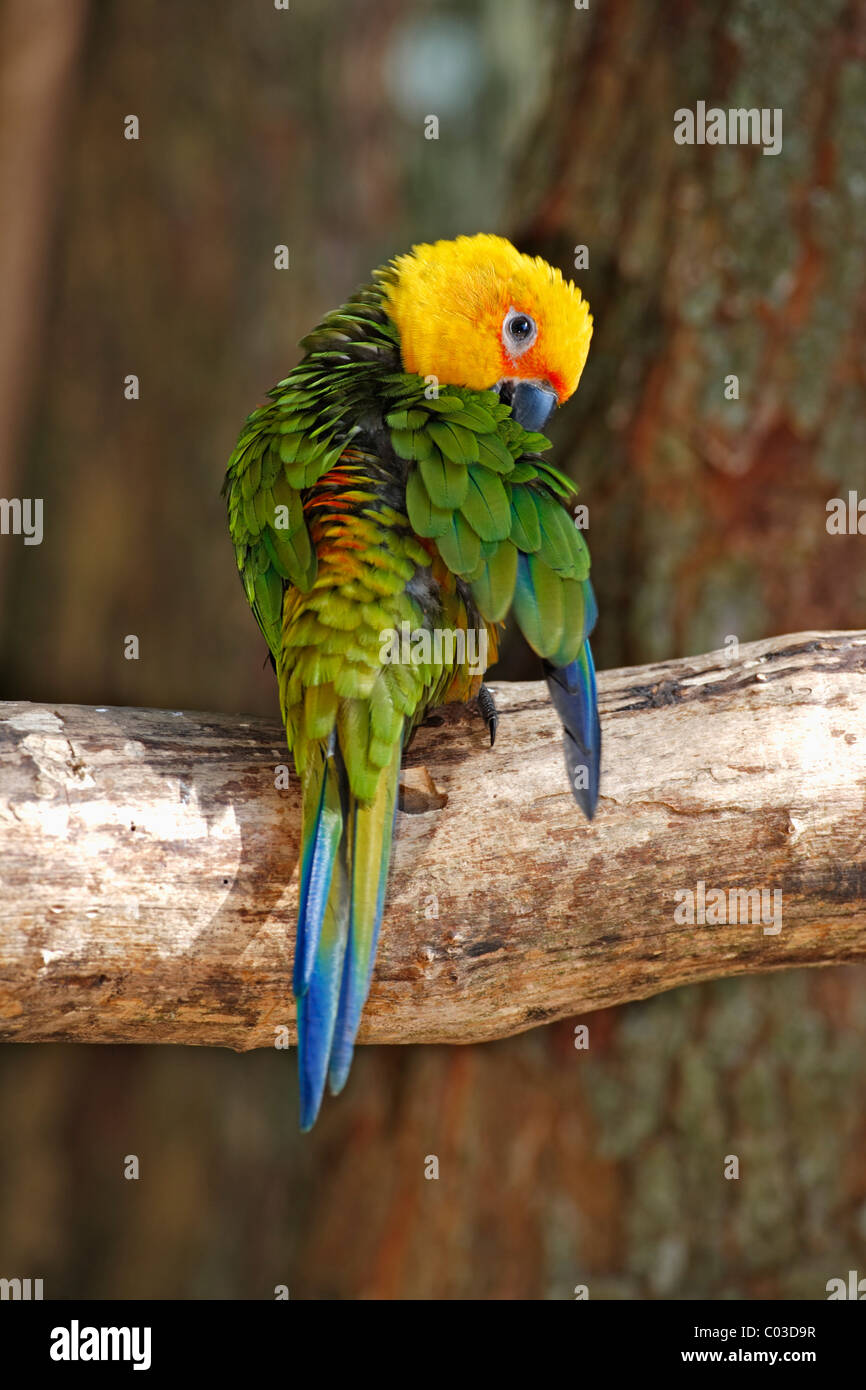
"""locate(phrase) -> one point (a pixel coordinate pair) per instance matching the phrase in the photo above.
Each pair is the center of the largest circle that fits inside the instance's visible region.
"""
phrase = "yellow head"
(475, 312)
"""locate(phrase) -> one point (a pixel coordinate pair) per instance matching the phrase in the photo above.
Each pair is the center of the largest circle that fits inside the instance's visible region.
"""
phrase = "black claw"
(487, 706)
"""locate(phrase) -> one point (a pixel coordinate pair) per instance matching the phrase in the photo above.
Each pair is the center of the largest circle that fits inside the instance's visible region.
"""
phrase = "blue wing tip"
(573, 692)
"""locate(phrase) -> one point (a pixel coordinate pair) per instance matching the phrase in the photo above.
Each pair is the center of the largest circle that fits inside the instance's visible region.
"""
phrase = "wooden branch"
(148, 861)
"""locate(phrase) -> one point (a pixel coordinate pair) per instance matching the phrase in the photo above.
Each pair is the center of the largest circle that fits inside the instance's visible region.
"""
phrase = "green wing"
(478, 488)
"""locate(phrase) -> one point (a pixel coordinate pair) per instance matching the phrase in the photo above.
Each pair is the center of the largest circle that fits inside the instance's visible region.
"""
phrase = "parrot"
(394, 482)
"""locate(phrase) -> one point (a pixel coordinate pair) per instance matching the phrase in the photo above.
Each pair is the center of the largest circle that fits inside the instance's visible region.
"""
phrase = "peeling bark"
(149, 861)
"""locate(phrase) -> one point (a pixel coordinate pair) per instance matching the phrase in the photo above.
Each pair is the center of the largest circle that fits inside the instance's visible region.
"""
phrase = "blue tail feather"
(343, 876)
(321, 843)
(317, 1008)
(358, 968)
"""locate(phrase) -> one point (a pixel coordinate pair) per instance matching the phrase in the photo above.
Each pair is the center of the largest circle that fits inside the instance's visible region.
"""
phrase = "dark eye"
(519, 331)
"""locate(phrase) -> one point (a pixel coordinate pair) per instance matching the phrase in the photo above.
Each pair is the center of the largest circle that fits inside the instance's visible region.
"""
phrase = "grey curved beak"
(531, 405)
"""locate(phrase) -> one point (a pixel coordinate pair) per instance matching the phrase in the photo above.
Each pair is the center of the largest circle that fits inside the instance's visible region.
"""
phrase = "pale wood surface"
(148, 862)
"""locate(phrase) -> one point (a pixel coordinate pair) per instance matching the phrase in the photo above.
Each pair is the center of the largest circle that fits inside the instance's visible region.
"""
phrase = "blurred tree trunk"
(39, 48)
(559, 1167)
(707, 515)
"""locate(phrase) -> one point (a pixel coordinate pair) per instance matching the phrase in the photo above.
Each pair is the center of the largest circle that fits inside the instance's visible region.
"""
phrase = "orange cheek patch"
(531, 366)
(557, 381)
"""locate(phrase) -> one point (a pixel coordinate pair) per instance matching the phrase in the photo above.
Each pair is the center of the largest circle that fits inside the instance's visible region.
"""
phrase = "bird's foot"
(487, 706)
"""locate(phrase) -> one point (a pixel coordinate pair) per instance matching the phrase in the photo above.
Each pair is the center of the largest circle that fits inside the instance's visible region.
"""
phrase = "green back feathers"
(287, 445)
